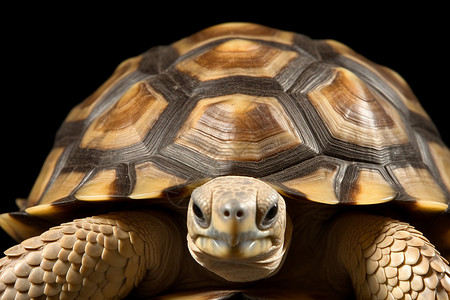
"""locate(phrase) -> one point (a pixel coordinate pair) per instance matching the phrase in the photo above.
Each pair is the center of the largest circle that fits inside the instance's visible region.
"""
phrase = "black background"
(55, 56)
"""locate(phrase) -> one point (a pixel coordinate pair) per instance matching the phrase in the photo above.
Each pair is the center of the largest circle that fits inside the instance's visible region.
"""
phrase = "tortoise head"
(238, 228)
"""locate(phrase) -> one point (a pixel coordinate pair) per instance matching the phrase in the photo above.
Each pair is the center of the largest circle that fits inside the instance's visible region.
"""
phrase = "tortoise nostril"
(232, 213)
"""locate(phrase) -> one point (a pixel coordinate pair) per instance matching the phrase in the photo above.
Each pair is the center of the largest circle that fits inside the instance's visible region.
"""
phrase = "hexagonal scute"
(233, 30)
(355, 115)
(128, 121)
(237, 57)
(238, 127)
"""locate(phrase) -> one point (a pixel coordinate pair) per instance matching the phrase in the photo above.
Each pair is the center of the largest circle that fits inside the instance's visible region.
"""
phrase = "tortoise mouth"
(233, 249)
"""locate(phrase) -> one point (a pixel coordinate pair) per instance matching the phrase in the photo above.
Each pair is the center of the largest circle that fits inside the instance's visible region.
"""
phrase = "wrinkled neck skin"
(246, 269)
(311, 264)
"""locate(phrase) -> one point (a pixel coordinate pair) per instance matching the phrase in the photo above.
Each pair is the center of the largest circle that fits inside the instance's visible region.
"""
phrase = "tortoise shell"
(311, 117)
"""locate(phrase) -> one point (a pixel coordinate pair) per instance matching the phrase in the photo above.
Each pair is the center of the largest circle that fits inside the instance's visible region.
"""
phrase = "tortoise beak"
(233, 220)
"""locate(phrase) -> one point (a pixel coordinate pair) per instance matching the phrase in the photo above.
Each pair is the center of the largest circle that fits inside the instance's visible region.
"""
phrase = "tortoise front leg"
(389, 259)
(102, 257)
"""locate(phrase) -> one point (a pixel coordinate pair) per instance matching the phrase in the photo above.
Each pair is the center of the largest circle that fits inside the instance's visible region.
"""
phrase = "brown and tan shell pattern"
(311, 117)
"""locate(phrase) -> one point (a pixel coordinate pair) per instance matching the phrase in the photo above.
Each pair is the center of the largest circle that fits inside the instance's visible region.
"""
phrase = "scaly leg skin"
(389, 259)
(103, 257)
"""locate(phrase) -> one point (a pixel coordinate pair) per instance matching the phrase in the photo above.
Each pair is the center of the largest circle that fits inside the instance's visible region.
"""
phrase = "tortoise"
(241, 161)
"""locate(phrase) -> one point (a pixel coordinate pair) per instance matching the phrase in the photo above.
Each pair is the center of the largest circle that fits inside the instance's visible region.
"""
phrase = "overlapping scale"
(93, 257)
(400, 263)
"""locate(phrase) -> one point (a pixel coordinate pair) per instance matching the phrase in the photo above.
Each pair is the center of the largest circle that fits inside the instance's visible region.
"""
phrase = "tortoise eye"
(200, 217)
(201, 207)
(270, 215)
(198, 212)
